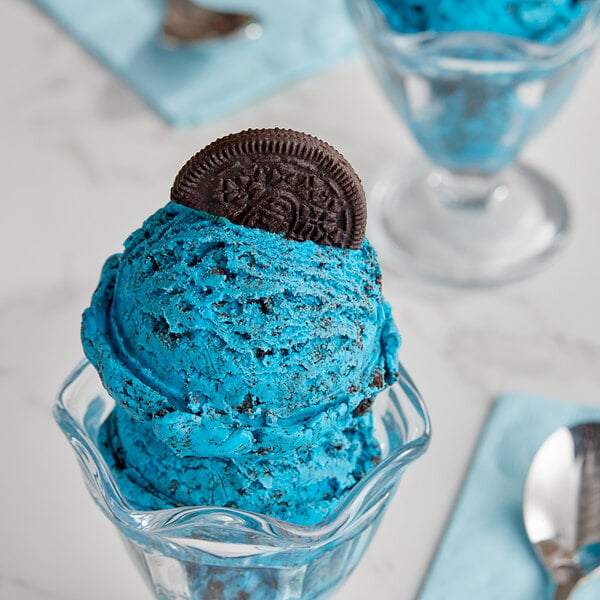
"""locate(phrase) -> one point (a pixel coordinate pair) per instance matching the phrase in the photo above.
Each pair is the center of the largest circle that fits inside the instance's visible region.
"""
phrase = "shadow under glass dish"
(203, 553)
(470, 215)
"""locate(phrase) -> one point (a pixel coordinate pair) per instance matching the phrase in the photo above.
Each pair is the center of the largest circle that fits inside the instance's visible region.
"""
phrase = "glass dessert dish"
(207, 552)
(471, 214)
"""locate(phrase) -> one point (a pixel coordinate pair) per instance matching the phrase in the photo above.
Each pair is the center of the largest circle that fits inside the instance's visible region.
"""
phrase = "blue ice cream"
(242, 363)
(547, 21)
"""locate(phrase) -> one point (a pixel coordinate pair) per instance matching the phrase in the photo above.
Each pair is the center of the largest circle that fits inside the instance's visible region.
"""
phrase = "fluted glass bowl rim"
(526, 54)
(164, 524)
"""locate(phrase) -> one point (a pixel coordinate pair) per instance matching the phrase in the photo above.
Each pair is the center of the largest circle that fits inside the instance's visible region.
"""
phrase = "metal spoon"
(186, 22)
(561, 505)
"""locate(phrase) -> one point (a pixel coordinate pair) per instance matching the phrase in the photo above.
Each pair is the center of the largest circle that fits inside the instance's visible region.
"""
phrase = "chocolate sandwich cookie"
(279, 180)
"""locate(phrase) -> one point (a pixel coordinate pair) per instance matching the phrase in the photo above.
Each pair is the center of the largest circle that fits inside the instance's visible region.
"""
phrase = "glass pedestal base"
(464, 230)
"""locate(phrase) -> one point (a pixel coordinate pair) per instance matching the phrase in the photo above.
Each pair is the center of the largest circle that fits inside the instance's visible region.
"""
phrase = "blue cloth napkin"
(484, 553)
(190, 85)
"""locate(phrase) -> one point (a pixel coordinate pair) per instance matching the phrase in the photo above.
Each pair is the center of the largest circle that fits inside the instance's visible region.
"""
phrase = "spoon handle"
(563, 590)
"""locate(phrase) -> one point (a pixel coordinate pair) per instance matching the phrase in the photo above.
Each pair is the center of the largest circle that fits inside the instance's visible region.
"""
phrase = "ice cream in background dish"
(474, 80)
(537, 20)
(243, 335)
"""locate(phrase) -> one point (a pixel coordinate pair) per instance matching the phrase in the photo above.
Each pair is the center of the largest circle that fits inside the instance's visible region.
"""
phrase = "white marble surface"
(83, 161)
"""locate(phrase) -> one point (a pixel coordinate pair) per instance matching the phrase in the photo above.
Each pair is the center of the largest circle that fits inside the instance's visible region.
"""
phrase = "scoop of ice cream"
(538, 20)
(242, 364)
(205, 326)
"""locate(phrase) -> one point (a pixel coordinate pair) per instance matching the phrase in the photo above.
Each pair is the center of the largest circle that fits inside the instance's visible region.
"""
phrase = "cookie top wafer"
(279, 180)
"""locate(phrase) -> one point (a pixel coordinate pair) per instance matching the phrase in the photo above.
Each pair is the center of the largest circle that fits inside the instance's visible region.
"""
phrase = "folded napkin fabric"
(485, 553)
(190, 85)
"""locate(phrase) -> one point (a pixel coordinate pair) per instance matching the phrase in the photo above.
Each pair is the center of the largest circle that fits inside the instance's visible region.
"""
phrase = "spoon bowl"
(188, 23)
(561, 505)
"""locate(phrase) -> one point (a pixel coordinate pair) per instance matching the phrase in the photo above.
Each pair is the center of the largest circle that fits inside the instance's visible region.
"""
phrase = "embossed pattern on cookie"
(279, 180)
